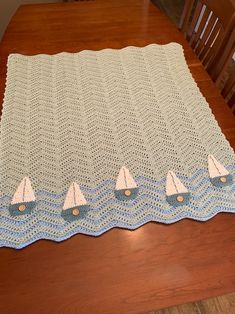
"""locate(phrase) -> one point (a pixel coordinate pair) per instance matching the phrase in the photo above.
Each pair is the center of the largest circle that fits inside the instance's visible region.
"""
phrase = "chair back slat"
(208, 33)
(223, 9)
(194, 21)
(223, 55)
(207, 25)
(208, 50)
(185, 16)
(201, 28)
(212, 46)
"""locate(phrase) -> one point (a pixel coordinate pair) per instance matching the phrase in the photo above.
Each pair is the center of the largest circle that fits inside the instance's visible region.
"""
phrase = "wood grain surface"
(121, 271)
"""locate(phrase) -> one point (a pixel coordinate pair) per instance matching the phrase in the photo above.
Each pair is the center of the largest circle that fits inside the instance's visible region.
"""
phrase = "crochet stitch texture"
(80, 117)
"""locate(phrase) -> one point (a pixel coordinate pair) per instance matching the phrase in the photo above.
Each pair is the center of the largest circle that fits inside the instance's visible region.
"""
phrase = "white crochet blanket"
(71, 121)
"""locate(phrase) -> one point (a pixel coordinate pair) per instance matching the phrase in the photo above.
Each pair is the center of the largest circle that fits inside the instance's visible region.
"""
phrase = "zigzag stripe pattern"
(81, 117)
(107, 212)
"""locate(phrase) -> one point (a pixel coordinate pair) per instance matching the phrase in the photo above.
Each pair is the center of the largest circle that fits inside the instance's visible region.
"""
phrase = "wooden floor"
(220, 305)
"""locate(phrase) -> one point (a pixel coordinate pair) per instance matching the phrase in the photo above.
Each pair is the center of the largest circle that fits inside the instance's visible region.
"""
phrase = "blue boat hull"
(172, 199)
(14, 208)
(67, 214)
(217, 180)
(120, 194)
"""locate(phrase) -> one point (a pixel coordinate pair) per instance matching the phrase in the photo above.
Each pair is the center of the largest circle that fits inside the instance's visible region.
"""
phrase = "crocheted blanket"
(103, 139)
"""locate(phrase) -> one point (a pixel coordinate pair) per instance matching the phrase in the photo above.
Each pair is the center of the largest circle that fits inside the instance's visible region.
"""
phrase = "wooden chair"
(226, 80)
(207, 25)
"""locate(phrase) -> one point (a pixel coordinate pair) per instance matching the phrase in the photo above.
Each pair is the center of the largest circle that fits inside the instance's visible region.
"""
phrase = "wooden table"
(121, 271)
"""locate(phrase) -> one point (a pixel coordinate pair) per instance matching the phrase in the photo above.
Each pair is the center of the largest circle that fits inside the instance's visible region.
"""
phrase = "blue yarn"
(120, 194)
(217, 181)
(68, 213)
(172, 199)
(49, 215)
(14, 208)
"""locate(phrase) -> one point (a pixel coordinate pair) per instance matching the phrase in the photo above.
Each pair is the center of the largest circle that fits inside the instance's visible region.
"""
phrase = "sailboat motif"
(126, 188)
(23, 200)
(219, 175)
(75, 205)
(176, 193)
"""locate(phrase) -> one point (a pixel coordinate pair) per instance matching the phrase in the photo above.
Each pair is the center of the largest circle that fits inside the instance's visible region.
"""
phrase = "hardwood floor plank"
(224, 304)
(219, 305)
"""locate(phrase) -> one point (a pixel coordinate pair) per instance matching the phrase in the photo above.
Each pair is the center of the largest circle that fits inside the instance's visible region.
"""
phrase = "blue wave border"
(197, 182)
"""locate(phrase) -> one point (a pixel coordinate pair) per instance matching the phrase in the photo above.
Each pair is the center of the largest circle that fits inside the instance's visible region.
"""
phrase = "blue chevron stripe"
(117, 212)
(48, 236)
(204, 184)
(108, 212)
(159, 195)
